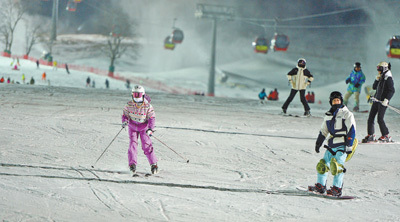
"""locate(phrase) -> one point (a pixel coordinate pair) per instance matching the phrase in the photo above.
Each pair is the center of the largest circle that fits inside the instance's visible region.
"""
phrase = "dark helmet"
(357, 65)
(301, 62)
(334, 95)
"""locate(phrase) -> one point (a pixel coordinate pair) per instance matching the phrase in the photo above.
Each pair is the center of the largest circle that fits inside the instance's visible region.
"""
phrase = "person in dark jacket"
(299, 77)
(384, 87)
(66, 68)
(107, 84)
(88, 82)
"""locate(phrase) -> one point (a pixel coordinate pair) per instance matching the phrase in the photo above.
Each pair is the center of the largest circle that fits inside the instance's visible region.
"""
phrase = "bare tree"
(120, 35)
(11, 13)
(31, 37)
(116, 48)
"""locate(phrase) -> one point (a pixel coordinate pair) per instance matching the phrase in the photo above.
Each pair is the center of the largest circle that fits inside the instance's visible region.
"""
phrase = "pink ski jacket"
(141, 116)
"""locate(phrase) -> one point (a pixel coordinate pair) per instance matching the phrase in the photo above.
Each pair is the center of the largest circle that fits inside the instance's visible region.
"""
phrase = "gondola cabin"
(168, 43)
(280, 42)
(177, 36)
(71, 6)
(393, 47)
(260, 45)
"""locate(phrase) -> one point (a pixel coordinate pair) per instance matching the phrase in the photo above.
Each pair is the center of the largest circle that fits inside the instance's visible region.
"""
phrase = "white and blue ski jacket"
(340, 126)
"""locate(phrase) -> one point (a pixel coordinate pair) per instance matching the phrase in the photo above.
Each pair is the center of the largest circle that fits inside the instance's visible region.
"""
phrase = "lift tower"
(215, 13)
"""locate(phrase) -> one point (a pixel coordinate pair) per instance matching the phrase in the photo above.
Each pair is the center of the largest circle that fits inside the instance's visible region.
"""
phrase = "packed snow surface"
(238, 150)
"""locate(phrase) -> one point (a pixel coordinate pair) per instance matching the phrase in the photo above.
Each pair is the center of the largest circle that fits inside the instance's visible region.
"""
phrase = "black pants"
(377, 108)
(302, 99)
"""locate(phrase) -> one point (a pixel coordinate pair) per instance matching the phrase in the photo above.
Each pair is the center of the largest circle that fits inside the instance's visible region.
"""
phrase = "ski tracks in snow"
(106, 196)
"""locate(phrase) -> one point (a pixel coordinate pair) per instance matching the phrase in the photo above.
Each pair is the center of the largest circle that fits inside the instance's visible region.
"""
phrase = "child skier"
(339, 123)
(356, 80)
(384, 87)
(139, 116)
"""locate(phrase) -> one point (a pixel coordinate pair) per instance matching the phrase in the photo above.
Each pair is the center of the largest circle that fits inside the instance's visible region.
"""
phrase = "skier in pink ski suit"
(139, 116)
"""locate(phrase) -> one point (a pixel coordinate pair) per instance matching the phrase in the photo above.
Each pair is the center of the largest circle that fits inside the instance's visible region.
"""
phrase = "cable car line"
(318, 26)
(321, 14)
(300, 17)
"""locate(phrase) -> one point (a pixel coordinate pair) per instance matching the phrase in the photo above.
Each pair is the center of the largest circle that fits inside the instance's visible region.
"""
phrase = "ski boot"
(307, 113)
(154, 168)
(284, 111)
(132, 168)
(334, 191)
(317, 188)
(368, 139)
(356, 109)
(385, 139)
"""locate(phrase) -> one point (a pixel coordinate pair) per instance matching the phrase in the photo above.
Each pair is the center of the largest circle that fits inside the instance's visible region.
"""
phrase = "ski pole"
(389, 106)
(394, 109)
(187, 161)
(107, 147)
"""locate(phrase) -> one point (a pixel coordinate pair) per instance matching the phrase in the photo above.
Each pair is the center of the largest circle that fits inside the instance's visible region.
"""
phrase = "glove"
(317, 146)
(357, 85)
(149, 132)
(385, 102)
(124, 124)
(372, 99)
(347, 81)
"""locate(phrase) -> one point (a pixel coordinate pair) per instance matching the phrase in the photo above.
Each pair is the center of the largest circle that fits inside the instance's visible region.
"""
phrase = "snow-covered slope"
(238, 149)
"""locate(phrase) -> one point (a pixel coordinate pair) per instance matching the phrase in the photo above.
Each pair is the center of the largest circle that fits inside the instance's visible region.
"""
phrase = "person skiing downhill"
(340, 124)
(299, 77)
(139, 116)
(356, 80)
(384, 87)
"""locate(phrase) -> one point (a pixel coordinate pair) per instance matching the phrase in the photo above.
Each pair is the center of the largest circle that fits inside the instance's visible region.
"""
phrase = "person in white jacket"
(299, 77)
(339, 126)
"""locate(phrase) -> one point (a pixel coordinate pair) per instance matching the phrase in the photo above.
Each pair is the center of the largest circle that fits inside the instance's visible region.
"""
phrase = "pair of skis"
(295, 115)
(381, 142)
(137, 174)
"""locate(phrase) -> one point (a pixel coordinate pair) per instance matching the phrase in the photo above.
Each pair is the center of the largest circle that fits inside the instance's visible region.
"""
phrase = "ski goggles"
(379, 68)
(137, 94)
